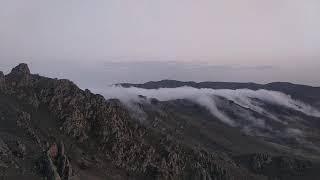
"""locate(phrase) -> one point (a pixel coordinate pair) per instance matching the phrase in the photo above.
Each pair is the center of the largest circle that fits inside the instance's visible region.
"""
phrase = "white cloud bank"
(204, 97)
(247, 104)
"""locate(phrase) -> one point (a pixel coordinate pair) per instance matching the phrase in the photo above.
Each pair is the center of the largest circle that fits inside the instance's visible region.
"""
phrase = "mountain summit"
(21, 69)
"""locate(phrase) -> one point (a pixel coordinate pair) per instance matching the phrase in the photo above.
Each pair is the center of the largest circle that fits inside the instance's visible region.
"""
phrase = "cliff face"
(52, 128)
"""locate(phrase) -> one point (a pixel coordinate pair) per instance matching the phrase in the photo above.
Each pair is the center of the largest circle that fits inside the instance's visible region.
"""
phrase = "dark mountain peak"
(19, 76)
(22, 68)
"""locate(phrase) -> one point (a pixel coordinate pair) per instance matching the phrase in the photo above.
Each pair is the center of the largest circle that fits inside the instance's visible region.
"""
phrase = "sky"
(100, 42)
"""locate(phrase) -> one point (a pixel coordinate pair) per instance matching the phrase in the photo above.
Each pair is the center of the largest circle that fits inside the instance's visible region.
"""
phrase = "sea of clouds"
(251, 101)
(243, 97)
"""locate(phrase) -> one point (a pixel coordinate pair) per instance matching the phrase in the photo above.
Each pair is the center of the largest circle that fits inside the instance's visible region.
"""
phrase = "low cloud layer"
(243, 97)
(253, 115)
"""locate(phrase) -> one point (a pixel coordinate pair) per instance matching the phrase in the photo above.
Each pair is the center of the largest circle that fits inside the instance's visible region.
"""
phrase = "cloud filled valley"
(264, 113)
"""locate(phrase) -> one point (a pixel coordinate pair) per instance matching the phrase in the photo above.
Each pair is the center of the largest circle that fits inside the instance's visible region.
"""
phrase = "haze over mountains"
(157, 130)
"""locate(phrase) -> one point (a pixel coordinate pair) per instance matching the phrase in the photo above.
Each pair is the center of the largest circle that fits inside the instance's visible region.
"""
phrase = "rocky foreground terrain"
(51, 129)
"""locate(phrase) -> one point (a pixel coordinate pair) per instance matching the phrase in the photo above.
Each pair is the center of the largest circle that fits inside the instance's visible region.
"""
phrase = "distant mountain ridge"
(305, 93)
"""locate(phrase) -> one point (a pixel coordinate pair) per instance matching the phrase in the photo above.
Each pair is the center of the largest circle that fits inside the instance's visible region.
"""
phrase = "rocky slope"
(49, 128)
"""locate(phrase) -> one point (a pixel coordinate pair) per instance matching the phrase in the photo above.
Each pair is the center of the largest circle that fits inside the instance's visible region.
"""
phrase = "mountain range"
(52, 129)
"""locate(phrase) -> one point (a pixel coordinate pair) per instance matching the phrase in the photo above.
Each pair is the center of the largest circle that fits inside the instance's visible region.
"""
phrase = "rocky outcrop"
(56, 163)
(19, 76)
(22, 68)
(19, 82)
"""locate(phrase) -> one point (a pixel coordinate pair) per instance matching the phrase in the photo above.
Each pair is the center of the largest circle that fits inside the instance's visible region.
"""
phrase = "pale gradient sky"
(133, 40)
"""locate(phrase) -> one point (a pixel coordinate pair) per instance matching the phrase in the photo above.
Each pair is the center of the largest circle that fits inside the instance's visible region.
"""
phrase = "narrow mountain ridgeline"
(51, 129)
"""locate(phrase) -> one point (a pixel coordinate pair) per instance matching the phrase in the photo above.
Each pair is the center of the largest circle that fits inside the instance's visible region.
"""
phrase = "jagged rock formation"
(56, 164)
(100, 136)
